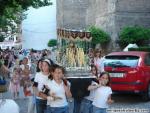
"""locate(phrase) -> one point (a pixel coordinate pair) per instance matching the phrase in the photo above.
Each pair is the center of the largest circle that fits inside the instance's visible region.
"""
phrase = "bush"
(136, 35)
(99, 36)
(52, 43)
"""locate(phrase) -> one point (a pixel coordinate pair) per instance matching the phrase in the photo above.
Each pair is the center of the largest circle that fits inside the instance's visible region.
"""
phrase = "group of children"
(49, 91)
(52, 91)
(20, 79)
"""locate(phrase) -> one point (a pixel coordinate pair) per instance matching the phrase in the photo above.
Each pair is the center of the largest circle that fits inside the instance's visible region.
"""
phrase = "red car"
(129, 71)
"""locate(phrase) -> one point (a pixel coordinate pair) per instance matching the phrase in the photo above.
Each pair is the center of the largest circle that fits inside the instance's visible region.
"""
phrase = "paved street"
(129, 102)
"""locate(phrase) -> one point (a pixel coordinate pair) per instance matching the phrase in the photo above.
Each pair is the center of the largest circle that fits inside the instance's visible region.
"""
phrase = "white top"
(59, 91)
(92, 92)
(99, 62)
(101, 96)
(41, 79)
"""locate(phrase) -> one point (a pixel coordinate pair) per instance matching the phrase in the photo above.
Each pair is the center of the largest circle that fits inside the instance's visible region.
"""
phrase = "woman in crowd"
(91, 56)
(98, 61)
(32, 98)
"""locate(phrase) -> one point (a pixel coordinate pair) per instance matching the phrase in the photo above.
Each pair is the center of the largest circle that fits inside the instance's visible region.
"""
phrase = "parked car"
(129, 71)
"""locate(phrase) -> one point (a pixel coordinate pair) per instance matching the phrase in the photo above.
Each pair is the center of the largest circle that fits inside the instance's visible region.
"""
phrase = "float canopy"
(74, 34)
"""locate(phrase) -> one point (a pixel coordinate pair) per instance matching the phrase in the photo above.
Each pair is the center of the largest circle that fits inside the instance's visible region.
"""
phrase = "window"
(121, 61)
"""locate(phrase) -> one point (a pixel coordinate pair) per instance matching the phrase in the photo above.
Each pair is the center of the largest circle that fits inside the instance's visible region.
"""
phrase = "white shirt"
(41, 79)
(101, 96)
(59, 91)
(99, 62)
(92, 92)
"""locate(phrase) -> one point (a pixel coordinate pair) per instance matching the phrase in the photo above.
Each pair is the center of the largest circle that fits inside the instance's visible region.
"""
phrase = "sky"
(39, 27)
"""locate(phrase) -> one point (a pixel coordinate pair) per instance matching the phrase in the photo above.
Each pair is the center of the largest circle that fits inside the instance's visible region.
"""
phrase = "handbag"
(3, 84)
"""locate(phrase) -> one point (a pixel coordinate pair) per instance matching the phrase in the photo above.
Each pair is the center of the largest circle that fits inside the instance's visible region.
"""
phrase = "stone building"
(110, 15)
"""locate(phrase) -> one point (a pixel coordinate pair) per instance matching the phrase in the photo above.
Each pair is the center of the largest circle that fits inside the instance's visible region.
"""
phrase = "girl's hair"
(63, 71)
(93, 66)
(97, 51)
(20, 62)
(58, 67)
(50, 68)
(103, 73)
(37, 68)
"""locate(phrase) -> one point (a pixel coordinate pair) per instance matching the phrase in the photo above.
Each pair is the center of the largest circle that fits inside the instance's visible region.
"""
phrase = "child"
(59, 91)
(86, 104)
(15, 83)
(41, 79)
(26, 80)
(102, 97)
(32, 98)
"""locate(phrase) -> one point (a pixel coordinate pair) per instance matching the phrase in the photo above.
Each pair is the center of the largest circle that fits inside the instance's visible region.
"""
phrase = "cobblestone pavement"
(124, 103)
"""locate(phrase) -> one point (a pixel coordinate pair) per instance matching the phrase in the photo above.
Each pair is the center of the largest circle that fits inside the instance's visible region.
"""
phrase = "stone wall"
(71, 14)
(110, 15)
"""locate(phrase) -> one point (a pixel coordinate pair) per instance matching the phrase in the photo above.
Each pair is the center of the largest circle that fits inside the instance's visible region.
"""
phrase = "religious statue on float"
(75, 56)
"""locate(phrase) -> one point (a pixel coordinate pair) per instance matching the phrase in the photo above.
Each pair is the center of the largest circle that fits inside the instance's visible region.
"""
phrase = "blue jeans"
(59, 109)
(99, 110)
(86, 106)
(41, 105)
(77, 104)
(48, 109)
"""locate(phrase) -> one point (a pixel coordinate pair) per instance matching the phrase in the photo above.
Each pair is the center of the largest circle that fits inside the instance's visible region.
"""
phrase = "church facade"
(109, 15)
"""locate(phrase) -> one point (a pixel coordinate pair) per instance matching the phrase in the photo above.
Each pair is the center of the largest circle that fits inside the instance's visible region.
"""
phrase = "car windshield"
(121, 61)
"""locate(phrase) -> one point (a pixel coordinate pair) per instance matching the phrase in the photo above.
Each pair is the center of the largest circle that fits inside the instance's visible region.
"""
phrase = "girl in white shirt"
(103, 92)
(41, 79)
(59, 91)
(98, 61)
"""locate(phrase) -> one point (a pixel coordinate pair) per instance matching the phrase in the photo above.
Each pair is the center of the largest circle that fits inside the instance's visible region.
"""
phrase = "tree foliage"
(99, 36)
(23, 4)
(11, 13)
(135, 34)
(52, 43)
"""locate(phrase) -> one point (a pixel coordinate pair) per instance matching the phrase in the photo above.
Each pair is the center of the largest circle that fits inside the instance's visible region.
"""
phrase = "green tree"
(52, 43)
(11, 11)
(99, 36)
(136, 34)
(23, 4)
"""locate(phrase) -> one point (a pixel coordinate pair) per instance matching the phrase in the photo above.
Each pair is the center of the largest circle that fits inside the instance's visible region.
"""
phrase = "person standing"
(41, 79)
(15, 83)
(103, 92)
(59, 91)
(98, 61)
(32, 98)
(86, 104)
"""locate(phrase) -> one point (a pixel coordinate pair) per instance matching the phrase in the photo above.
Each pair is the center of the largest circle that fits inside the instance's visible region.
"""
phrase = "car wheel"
(146, 95)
